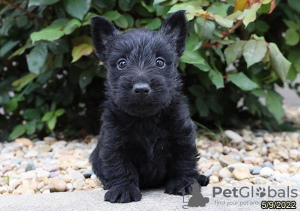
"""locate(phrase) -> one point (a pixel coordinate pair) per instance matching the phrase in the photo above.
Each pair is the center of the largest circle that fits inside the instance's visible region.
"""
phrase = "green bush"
(237, 51)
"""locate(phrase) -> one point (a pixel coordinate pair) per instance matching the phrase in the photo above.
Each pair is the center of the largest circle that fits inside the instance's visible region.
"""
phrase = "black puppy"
(147, 137)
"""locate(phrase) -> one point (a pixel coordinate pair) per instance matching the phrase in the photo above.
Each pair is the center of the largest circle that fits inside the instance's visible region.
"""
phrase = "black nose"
(141, 90)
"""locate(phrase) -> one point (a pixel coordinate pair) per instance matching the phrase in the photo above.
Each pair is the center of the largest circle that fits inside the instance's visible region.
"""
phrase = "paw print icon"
(261, 192)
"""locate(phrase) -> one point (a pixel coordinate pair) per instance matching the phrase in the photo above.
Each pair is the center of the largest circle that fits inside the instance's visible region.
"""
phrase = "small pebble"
(88, 173)
(225, 173)
(30, 166)
(266, 172)
(268, 164)
(227, 160)
(233, 136)
(256, 170)
(76, 174)
(241, 173)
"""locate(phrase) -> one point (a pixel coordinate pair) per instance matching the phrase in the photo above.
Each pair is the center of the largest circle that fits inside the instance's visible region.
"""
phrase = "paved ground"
(152, 200)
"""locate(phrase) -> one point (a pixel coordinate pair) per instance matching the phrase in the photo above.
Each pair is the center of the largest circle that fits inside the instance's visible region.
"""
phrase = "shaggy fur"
(149, 141)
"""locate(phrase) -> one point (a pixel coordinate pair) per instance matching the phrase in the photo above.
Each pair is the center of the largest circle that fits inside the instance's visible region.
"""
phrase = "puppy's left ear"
(176, 27)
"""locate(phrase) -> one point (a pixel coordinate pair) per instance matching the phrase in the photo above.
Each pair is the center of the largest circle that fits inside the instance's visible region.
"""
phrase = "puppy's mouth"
(142, 107)
(142, 110)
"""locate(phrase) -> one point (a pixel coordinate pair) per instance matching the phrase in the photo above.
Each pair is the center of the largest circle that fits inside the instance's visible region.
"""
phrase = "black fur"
(144, 142)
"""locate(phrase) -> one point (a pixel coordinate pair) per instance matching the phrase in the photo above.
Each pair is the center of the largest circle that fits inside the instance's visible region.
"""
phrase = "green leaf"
(242, 81)
(261, 26)
(22, 82)
(59, 47)
(154, 24)
(218, 8)
(266, 1)
(86, 78)
(291, 37)
(46, 34)
(192, 57)
(83, 49)
(71, 26)
(121, 22)
(279, 63)
(259, 93)
(52, 32)
(47, 116)
(191, 41)
(37, 58)
(104, 3)
(129, 19)
(11, 105)
(41, 2)
(223, 21)
(215, 105)
(7, 47)
(197, 90)
(254, 51)
(126, 5)
(191, 9)
(202, 107)
(31, 113)
(17, 132)
(204, 28)
(58, 24)
(87, 18)
(149, 8)
(53, 106)
(291, 24)
(217, 78)
(234, 51)
(59, 112)
(21, 50)
(274, 105)
(52, 122)
(77, 8)
(112, 15)
(249, 15)
(294, 4)
(158, 1)
(30, 127)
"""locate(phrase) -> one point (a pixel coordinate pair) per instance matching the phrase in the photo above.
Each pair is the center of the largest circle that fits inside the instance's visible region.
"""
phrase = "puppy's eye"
(160, 62)
(122, 63)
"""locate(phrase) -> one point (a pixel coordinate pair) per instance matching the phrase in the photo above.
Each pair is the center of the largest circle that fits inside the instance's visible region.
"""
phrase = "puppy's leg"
(182, 172)
(116, 172)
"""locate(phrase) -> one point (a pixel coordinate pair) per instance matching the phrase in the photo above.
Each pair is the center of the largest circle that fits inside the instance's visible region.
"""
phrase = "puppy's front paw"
(180, 186)
(123, 194)
(203, 180)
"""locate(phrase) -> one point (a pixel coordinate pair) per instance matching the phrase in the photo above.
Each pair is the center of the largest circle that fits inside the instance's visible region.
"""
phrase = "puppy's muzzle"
(141, 90)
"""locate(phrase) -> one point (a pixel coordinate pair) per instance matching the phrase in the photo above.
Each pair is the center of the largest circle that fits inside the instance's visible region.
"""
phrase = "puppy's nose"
(141, 90)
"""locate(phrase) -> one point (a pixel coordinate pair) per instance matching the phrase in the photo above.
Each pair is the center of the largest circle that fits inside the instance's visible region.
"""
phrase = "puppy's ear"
(102, 31)
(176, 27)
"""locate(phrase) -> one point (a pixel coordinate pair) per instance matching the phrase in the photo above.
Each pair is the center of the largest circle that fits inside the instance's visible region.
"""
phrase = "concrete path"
(154, 200)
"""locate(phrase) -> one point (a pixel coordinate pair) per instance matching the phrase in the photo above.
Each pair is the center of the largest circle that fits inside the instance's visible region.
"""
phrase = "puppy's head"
(141, 64)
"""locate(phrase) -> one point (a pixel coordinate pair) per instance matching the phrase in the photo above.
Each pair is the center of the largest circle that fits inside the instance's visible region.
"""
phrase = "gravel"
(251, 157)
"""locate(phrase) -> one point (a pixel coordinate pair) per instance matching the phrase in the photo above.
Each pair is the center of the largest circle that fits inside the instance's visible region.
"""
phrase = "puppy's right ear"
(102, 31)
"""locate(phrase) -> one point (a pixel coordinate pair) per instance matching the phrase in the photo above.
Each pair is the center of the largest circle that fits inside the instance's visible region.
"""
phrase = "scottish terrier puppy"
(147, 137)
